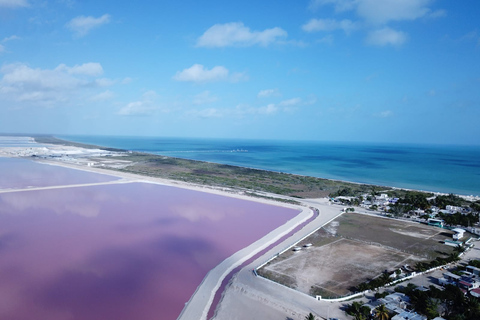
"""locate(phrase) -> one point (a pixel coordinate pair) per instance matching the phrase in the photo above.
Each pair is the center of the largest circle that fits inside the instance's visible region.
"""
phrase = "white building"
(459, 233)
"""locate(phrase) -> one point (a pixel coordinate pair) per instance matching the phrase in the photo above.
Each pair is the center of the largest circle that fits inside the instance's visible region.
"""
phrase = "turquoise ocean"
(438, 168)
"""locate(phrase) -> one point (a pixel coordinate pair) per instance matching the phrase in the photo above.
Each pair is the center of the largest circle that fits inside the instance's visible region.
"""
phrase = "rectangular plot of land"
(336, 267)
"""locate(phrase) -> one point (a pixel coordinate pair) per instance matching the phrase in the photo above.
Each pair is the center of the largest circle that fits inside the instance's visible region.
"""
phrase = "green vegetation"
(381, 313)
(475, 263)
(310, 316)
(416, 199)
(380, 281)
(358, 311)
(450, 200)
(455, 305)
(220, 175)
(460, 219)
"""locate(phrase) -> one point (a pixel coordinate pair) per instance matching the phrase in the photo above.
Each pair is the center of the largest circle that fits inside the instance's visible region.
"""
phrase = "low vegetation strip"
(221, 175)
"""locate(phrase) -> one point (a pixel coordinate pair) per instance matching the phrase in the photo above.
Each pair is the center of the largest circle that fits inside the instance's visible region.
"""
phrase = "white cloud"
(198, 73)
(145, 107)
(82, 25)
(126, 80)
(383, 11)
(13, 37)
(89, 69)
(46, 87)
(2, 48)
(105, 82)
(268, 93)
(290, 102)
(236, 34)
(315, 25)
(103, 96)
(438, 14)
(239, 111)
(386, 36)
(268, 109)
(14, 3)
(204, 98)
(207, 113)
(328, 39)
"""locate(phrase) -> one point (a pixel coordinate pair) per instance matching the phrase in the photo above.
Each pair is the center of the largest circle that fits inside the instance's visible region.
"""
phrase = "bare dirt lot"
(352, 249)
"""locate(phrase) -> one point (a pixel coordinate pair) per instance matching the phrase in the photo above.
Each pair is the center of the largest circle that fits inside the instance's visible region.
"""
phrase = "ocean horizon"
(435, 168)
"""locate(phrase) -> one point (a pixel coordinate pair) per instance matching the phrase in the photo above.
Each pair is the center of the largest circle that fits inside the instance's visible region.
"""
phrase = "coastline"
(378, 187)
(441, 169)
(199, 302)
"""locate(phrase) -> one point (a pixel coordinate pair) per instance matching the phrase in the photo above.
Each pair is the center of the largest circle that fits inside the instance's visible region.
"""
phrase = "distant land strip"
(229, 176)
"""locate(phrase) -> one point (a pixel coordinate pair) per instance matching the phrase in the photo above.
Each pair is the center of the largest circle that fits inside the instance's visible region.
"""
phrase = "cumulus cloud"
(146, 106)
(290, 102)
(13, 37)
(328, 39)
(236, 34)
(268, 109)
(82, 25)
(46, 87)
(207, 113)
(204, 98)
(383, 11)
(198, 73)
(90, 69)
(14, 3)
(268, 93)
(103, 96)
(386, 36)
(239, 111)
(438, 14)
(315, 25)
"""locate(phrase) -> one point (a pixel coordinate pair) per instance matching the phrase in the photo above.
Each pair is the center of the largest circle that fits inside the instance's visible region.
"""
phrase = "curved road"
(199, 304)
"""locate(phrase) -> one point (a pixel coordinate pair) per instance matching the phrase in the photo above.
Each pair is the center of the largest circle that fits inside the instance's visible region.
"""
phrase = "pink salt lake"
(120, 251)
(21, 173)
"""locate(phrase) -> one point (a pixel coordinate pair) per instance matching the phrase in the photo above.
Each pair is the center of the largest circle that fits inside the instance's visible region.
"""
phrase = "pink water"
(22, 173)
(121, 251)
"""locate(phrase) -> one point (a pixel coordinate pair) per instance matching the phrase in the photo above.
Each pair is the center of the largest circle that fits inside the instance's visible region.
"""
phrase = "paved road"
(200, 302)
(274, 294)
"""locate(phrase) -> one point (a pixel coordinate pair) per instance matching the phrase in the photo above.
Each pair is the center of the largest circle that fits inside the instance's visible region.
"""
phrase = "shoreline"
(468, 197)
(200, 302)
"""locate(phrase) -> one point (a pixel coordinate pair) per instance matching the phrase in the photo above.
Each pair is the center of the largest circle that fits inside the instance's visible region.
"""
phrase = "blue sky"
(334, 70)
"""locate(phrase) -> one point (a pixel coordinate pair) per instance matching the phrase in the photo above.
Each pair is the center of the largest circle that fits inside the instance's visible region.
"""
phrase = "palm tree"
(310, 317)
(381, 313)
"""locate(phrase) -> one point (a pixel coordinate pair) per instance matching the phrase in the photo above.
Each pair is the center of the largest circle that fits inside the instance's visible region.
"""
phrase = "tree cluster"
(455, 304)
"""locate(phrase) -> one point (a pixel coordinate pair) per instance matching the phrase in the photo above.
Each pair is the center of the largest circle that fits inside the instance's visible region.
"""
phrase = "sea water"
(438, 168)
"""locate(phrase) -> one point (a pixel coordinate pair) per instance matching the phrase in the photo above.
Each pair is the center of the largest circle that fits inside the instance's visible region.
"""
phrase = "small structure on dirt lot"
(458, 233)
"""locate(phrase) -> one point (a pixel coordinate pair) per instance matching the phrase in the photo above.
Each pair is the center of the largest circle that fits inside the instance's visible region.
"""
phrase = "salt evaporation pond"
(22, 173)
(120, 251)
